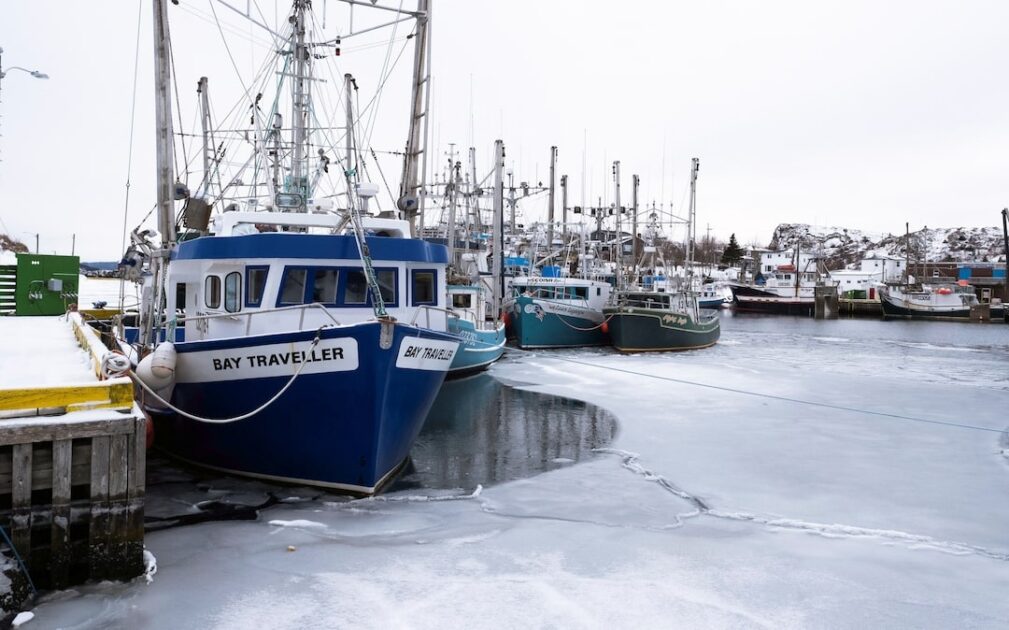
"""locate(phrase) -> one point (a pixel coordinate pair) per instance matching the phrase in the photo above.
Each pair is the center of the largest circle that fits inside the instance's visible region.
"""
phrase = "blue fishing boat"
(314, 338)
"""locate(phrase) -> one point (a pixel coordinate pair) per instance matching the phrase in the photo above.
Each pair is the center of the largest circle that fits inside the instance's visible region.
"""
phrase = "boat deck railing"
(464, 315)
(548, 294)
(248, 315)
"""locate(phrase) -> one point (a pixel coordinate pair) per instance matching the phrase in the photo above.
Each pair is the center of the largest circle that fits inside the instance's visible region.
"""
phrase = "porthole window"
(233, 292)
(212, 292)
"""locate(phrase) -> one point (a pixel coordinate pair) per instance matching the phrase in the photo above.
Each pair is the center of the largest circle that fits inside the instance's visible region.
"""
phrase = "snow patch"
(297, 523)
(150, 566)
(22, 618)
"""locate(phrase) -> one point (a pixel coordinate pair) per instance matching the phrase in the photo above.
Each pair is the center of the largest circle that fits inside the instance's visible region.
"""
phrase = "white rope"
(246, 416)
(114, 365)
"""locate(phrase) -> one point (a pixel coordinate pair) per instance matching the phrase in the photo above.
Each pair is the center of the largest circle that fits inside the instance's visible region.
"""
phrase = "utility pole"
(73, 244)
(36, 243)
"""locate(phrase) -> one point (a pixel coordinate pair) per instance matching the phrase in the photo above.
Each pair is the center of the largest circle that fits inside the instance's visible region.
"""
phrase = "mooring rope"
(147, 388)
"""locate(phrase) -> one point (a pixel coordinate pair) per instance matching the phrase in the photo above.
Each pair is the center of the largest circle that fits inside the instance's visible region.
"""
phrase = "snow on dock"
(39, 351)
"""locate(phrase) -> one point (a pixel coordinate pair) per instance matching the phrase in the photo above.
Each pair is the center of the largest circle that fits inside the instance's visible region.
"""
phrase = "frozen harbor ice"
(710, 508)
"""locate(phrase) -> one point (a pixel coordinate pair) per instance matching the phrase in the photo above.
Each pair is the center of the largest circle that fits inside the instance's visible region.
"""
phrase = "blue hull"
(346, 426)
(533, 327)
(477, 348)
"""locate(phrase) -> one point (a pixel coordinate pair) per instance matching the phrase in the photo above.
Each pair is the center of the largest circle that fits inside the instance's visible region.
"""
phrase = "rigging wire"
(178, 113)
(129, 159)
(370, 125)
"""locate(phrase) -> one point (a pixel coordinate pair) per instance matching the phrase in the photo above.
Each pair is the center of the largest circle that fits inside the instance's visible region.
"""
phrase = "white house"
(871, 271)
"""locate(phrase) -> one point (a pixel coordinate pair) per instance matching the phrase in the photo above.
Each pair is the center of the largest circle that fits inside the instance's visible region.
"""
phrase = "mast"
(301, 95)
(348, 165)
(1005, 237)
(550, 203)
(695, 166)
(163, 129)
(165, 174)
(634, 225)
(497, 231)
(473, 196)
(564, 209)
(511, 206)
(907, 253)
(409, 191)
(620, 245)
(455, 179)
(201, 88)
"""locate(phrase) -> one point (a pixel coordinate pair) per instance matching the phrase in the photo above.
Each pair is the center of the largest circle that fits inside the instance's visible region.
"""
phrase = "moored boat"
(656, 322)
(784, 284)
(558, 312)
(929, 302)
(314, 338)
(481, 339)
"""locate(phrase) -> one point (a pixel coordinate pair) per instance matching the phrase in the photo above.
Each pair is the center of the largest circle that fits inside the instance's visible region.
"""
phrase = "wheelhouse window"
(324, 286)
(423, 289)
(387, 285)
(212, 292)
(255, 285)
(292, 290)
(356, 289)
(233, 292)
(461, 300)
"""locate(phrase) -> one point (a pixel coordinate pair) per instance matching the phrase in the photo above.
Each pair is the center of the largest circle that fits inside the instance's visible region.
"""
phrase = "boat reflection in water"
(480, 431)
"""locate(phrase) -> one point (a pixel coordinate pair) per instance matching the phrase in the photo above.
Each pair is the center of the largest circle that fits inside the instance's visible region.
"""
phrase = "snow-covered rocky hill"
(843, 246)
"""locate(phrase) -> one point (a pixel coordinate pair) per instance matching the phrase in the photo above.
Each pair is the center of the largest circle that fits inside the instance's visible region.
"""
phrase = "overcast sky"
(858, 114)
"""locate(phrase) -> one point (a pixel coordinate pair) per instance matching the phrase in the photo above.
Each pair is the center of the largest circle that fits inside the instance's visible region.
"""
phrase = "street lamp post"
(3, 72)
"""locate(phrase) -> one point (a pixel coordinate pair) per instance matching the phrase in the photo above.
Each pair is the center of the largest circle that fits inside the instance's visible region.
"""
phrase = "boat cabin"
(263, 282)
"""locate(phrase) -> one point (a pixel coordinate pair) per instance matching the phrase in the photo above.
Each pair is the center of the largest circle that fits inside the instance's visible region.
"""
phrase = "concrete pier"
(825, 302)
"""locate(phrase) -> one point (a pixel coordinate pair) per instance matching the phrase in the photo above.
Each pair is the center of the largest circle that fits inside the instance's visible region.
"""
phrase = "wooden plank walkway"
(72, 470)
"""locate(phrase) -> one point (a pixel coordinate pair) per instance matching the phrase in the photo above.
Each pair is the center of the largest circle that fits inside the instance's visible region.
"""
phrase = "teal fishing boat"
(558, 312)
(481, 338)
